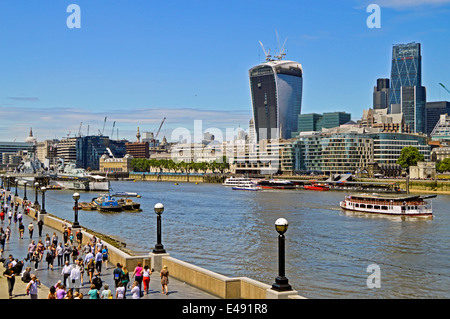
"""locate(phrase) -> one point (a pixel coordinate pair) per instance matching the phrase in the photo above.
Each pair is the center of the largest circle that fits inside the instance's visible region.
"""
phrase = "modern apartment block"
(315, 122)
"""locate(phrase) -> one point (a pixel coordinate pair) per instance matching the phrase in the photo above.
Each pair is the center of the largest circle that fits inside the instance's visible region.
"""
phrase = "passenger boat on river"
(395, 205)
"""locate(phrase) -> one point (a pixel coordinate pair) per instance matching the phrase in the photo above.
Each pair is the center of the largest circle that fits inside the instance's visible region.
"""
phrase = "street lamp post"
(25, 191)
(76, 197)
(159, 248)
(17, 184)
(7, 183)
(3, 177)
(43, 189)
(36, 187)
(281, 282)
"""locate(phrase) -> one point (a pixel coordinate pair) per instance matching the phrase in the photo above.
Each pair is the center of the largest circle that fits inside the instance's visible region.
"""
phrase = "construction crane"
(104, 122)
(79, 129)
(281, 48)
(267, 53)
(444, 87)
(112, 132)
(160, 128)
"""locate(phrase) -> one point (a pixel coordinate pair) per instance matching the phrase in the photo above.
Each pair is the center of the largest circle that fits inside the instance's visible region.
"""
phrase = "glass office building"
(433, 112)
(413, 103)
(406, 69)
(276, 91)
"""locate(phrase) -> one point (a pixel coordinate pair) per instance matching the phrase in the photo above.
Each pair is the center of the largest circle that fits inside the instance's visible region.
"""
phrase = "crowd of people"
(79, 264)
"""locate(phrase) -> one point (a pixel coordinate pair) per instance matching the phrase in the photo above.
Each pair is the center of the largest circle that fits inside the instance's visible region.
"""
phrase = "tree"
(443, 166)
(409, 157)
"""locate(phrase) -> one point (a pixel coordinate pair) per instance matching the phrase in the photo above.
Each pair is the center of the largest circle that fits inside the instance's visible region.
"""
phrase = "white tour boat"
(239, 181)
(395, 205)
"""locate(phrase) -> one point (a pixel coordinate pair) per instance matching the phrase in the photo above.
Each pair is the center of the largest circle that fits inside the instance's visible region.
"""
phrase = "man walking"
(30, 229)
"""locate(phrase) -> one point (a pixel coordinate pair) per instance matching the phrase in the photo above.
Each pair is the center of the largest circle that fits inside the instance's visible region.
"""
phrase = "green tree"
(409, 157)
(443, 166)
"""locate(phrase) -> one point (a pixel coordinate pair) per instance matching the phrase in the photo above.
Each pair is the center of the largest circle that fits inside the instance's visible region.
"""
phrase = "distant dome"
(31, 139)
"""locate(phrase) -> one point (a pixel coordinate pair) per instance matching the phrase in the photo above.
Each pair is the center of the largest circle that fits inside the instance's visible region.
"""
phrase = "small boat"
(107, 203)
(317, 187)
(251, 187)
(128, 204)
(238, 181)
(125, 194)
(276, 184)
(87, 206)
(394, 205)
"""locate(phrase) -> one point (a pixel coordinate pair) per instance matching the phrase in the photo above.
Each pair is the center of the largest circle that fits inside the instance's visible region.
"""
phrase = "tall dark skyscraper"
(381, 94)
(433, 112)
(406, 69)
(276, 90)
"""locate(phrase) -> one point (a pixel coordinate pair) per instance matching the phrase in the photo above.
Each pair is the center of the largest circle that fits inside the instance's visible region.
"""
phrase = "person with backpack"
(117, 274)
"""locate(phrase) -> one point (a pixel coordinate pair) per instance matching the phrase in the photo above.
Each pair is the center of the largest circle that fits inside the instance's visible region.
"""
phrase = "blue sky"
(138, 61)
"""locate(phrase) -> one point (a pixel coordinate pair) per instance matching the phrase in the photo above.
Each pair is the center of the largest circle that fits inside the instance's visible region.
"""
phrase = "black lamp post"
(159, 248)
(76, 197)
(36, 187)
(3, 177)
(7, 183)
(25, 191)
(281, 282)
(17, 184)
(43, 189)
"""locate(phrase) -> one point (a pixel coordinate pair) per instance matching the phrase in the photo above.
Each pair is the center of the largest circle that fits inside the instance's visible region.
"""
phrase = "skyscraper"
(381, 94)
(413, 103)
(276, 90)
(406, 69)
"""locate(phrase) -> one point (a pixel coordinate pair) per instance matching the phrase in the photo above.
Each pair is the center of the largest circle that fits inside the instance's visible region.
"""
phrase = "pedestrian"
(55, 239)
(120, 291)
(90, 267)
(50, 258)
(10, 274)
(146, 278)
(99, 245)
(2, 239)
(135, 290)
(86, 250)
(8, 233)
(40, 248)
(106, 293)
(21, 230)
(26, 276)
(75, 277)
(93, 292)
(30, 229)
(105, 255)
(32, 287)
(61, 292)
(165, 279)
(98, 261)
(40, 224)
(80, 265)
(65, 235)
(52, 293)
(36, 259)
(71, 238)
(19, 217)
(9, 216)
(31, 249)
(117, 274)
(65, 272)
(74, 254)
(137, 274)
(79, 236)
(69, 294)
(47, 241)
(59, 254)
(89, 257)
(125, 278)
(97, 281)
(2, 216)
(67, 250)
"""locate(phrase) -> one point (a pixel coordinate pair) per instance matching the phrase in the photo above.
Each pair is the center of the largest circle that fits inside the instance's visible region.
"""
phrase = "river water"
(328, 252)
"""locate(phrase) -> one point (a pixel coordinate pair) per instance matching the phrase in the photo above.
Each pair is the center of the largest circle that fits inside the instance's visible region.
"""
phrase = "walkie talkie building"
(276, 90)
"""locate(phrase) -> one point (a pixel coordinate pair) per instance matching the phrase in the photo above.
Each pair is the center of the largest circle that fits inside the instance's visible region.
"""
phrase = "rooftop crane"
(112, 132)
(267, 53)
(160, 128)
(79, 129)
(104, 122)
(281, 48)
(444, 87)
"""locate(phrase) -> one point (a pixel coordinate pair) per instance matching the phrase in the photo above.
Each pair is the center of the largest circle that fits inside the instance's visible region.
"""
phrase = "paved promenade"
(18, 249)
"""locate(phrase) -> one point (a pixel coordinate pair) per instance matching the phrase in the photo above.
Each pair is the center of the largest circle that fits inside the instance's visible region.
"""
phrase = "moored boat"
(317, 187)
(394, 205)
(276, 184)
(238, 181)
(251, 187)
(128, 204)
(107, 203)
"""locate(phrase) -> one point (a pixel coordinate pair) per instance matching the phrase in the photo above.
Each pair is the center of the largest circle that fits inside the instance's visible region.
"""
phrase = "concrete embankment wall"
(206, 280)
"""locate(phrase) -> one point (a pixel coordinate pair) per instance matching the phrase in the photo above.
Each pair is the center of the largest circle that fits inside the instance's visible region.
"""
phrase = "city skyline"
(137, 63)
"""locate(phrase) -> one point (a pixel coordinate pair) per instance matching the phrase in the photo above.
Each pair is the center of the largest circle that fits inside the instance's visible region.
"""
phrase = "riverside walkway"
(18, 249)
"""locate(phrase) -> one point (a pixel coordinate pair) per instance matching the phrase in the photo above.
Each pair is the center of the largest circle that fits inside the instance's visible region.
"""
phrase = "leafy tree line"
(145, 165)
(410, 156)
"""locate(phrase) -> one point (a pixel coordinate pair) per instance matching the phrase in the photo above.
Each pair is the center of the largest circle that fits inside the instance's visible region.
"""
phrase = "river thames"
(328, 252)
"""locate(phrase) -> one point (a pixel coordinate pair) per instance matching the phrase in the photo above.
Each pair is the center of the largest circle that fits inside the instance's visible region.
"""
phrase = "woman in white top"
(146, 278)
(120, 291)
(135, 290)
